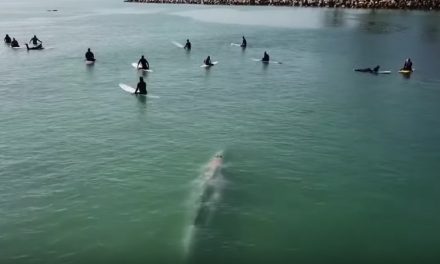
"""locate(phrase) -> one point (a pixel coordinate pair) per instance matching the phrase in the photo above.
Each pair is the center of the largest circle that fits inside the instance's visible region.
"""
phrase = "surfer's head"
(141, 79)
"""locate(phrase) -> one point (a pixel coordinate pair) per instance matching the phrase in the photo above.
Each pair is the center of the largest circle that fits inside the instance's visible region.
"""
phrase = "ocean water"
(320, 164)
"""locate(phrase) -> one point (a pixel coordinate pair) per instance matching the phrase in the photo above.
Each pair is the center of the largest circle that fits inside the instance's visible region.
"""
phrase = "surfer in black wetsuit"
(144, 63)
(243, 43)
(141, 87)
(35, 40)
(208, 61)
(14, 43)
(89, 55)
(265, 57)
(408, 65)
(39, 47)
(187, 45)
(374, 70)
(8, 39)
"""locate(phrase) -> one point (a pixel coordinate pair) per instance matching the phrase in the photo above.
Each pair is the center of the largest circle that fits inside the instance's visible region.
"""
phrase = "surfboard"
(271, 62)
(131, 90)
(90, 62)
(134, 64)
(236, 44)
(207, 66)
(177, 44)
(384, 72)
(17, 47)
(405, 71)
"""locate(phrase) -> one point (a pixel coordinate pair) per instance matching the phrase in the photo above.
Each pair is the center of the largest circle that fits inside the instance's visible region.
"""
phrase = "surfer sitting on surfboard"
(89, 55)
(208, 61)
(374, 70)
(39, 47)
(144, 63)
(141, 87)
(244, 43)
(14, 43)
(35, 40)
(187, 45)
(408, 65)
(7, 39)
(265, 57)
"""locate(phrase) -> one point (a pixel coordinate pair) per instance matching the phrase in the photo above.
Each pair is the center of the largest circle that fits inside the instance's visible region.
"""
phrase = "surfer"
(243, 43)
(89, 55)
(187, 45)
(265, 57)
(8, 39)
(407, 65)
(141, 87)
(14, 43)
(208, 61)
(39, 47)
(144, 63)
(374, 70)
(35, 40)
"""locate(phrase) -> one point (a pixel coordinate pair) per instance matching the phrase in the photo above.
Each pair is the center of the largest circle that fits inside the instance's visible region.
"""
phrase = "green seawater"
(321, 164)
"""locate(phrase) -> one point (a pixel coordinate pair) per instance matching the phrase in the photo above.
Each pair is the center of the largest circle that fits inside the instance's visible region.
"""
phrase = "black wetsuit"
(374, 70)
(208, 62)
(14, 44)
(90, 56)
(265, 58)
(244, 43)
(144, 63)
(35, 40)
(141, 88)
(8, 39)
(187, 45)
(408, 66)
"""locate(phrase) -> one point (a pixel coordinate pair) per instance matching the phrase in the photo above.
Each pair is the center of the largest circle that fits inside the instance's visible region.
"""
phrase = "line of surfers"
(407, 68)
(143, 63)
(38, 44)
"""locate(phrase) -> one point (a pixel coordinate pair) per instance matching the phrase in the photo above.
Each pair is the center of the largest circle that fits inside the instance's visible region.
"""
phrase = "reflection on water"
(377, 23)
(430, 31)
(334, 18)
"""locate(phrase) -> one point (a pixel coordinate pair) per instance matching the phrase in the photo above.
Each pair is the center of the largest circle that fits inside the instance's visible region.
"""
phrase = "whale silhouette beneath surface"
(211, 185)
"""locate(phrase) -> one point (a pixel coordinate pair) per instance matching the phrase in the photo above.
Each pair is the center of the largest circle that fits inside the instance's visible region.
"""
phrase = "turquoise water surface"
(321, 164)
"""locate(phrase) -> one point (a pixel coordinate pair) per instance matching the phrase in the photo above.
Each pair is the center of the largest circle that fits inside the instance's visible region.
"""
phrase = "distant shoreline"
(433, 5)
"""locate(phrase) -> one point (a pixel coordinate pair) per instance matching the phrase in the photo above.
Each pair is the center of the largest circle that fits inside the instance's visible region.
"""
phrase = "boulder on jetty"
(372, 4)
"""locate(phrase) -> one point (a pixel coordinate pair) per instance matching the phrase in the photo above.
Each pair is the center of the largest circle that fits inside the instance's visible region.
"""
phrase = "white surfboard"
(90, 62)
(271, 62)
(135, 65)
(236, 44)
(177, 44)
(207, 66)
(17, 47)
(379, 72)
(131, 90)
